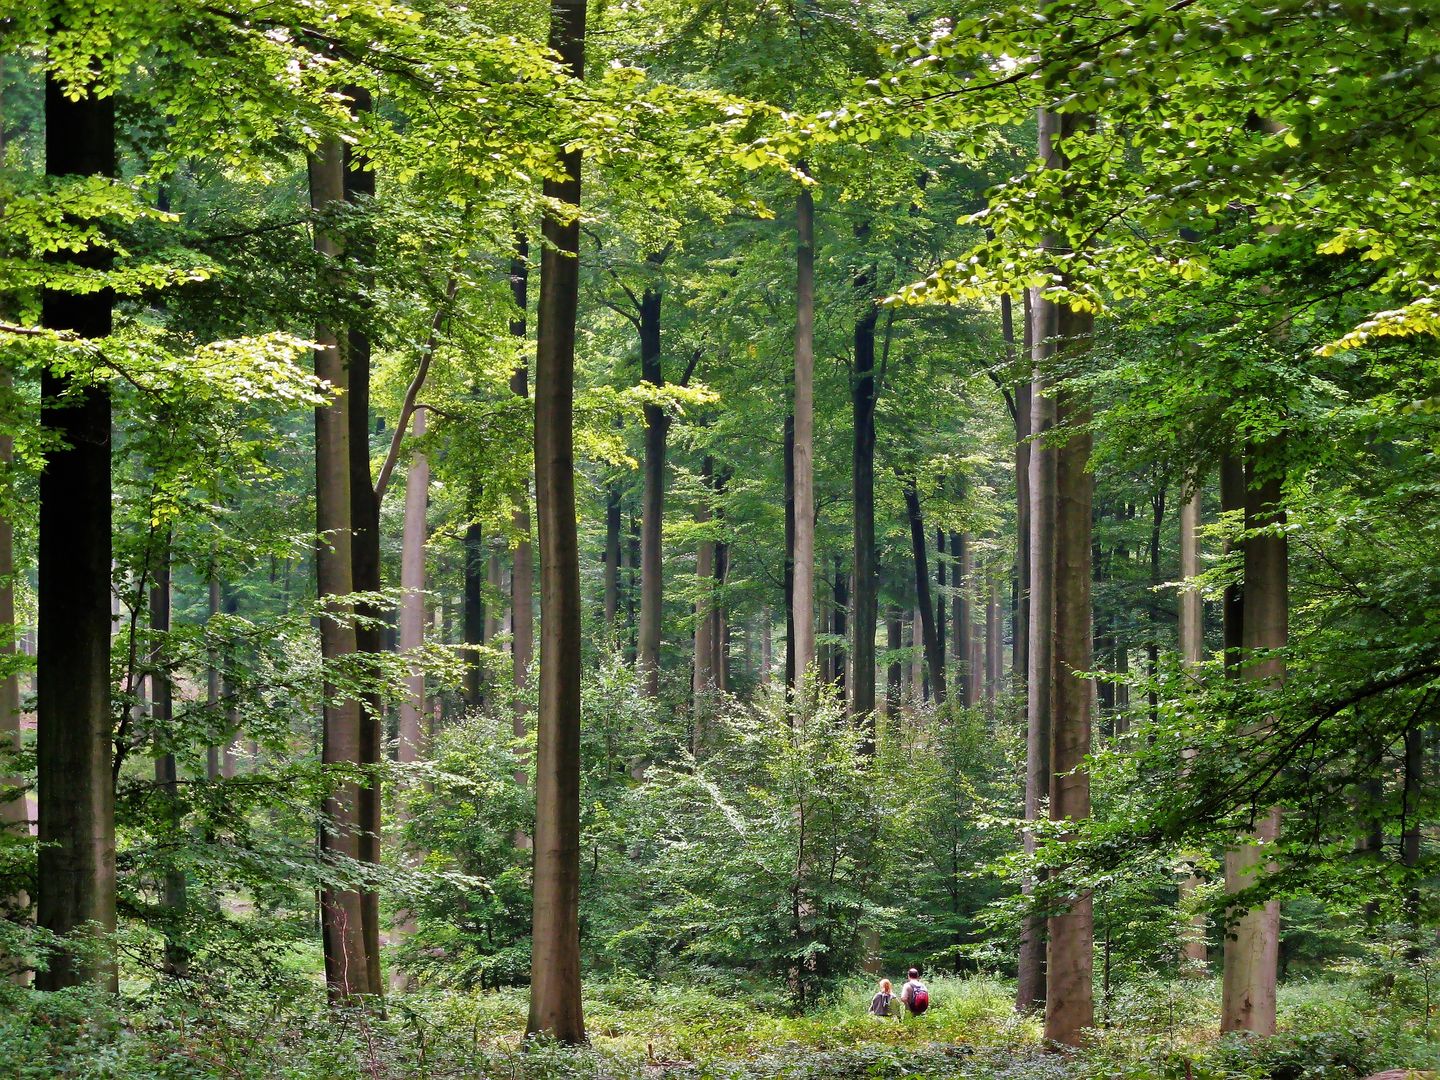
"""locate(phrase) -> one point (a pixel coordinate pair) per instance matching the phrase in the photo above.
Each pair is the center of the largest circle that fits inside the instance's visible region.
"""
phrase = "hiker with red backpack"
(913, 995)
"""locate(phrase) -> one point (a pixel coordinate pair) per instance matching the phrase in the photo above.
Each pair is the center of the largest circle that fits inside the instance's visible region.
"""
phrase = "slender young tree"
(555, 1007)
(652, 507)
(924, 609)
(75, 876)
(703, 682)
(1192, 652)
(167, 778)
(522, 566)
(867, 581)
(412, 596)
(612, 555)
(802, 641)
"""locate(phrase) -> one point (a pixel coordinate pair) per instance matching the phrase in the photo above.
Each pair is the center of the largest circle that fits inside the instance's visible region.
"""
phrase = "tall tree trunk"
(652, 510)
(495, 583)
(934, 647)
(1192, 652)
(1252, 951)
(803, 603)
(1152, 647)
(788, 571)
(1031, 980)
(632, 570)
(1069, 1001)
(994, 658)
(167, 779)
(867, 581)
(962, 571)
(1020, 621)
(720, 631)
(915, 672)
(347, 971)
(555, 1007)
(75, 782)
(894, 673)
(612, 555)
(412, 595)
(474, 614)
(213, 767)
(522, 572)
(941, 587)
(358, 185)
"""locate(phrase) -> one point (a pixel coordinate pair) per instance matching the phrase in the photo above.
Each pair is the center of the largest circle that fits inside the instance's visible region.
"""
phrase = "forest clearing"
(575, 539)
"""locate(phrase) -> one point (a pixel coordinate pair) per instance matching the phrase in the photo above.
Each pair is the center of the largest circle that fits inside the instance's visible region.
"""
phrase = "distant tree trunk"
(1232, 604)
(1152, 647)
(475, 618)
(1252, 952)
(720, 632)
(1069, 1001)
(789, 568)
(213, 760)
(962, 569)
(358, 184)
(1020, 624)
(894, 671)
(347, 970)
(612, 555)
(495, 583)
(555, 1007)
(13, 817)
(1192, 652)
(841, 593)
(994, 660)
(919, 689)
(934, 647)
(1031, 981)
(75, 783)
(867, 582)
(230, 605)
(412, 597)
(167, 779)
(652, 510)
(703, 680)
(632, 567)
(767, 647)
(803, 604)
(522, 573)
(941, 587)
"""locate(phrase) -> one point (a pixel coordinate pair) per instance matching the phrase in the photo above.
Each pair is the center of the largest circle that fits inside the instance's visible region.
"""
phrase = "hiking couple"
(913, 995)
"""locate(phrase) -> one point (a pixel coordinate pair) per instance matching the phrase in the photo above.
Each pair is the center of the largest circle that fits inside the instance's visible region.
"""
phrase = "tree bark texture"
(652, 508)
(934, 647)
(476, 617)
(75, 782)
(412, 596)
(1252, 946)
(522, 563)
(1192, 652)
(867, 581)
(555, 1006)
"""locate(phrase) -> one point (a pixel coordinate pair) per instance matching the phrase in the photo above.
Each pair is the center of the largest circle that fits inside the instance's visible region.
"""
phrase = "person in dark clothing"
(880, 1003)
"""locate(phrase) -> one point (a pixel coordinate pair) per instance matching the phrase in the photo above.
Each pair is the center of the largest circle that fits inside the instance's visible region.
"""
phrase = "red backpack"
(919, 999)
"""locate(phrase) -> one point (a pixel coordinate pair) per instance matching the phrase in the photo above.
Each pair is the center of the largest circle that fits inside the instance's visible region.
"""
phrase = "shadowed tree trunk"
(934, 647)
(75, 785)
(13, 817)
(962, 568)
(788, 571)
(652, 509)
(358, 185)
(1069, 962)
(994, 659)
(347, 965)
(840, 590)
(802, 642)
(941, 587)
(867, 582)
(555, 1007)
(522, 572)
(1020, 624)
(612, 555)
(475, 618)
(894, 673)
(1252, 950)
(703, 680)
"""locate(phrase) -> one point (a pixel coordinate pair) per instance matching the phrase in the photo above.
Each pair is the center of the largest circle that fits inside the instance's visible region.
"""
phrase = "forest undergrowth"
(1330, 1029)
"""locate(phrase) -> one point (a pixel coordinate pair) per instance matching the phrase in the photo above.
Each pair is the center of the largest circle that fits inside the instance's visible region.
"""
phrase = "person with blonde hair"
(880, 1003)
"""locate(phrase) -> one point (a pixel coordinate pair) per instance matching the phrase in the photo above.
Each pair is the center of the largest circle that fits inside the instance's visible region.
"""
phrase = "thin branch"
(690, 367)
(392, 456)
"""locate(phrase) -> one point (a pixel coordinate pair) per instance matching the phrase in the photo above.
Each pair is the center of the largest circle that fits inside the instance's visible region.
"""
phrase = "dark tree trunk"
(894, 673)
(632, 568)
(359, 184)
(612, 555)
(841, 592)
(76, 794)
(555, 1007)
(1020, 617)
(867, 583)
(934, 647)
(1152, 647)
(652, 510)
(941, 587)
(476, 559)
(961, 570)
(347, 965)
(789, 570)
(703, 678)
(13, 815)
(803, 642)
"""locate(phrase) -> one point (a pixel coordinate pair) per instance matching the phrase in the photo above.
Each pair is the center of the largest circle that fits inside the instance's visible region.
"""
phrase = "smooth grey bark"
(555, 1005)
(1192, 652)
(412, 595)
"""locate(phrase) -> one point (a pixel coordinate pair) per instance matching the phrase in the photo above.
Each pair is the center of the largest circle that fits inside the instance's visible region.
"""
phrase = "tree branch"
(392, 456)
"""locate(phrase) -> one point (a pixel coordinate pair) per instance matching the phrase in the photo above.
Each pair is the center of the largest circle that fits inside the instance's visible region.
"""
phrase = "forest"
(544, 539)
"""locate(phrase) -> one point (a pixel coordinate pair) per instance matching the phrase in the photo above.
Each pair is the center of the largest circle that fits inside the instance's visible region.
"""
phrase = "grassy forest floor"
(1331, 1030)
